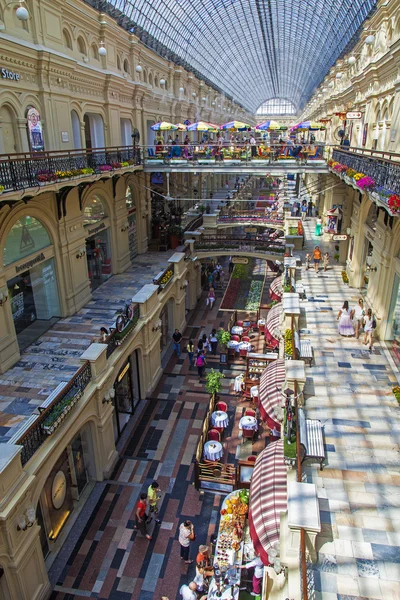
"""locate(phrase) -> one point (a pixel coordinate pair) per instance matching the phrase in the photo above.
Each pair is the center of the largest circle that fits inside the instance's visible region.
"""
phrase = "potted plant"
(175, 234)
(224, 337)
(201, 208)
(213, 382)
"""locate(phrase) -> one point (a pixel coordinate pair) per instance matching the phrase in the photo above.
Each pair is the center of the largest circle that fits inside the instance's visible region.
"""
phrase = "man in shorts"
(317, 258)
(152, 496)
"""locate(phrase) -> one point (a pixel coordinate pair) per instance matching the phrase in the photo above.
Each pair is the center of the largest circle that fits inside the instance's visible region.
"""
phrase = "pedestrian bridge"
(225, 222)
(259, 247)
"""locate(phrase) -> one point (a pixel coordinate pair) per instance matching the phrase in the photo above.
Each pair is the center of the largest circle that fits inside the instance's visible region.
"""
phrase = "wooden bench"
(311, 438)
(304, 349)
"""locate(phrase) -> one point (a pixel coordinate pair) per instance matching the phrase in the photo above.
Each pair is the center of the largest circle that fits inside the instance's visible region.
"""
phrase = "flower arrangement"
(116, 165)
(365, 183)
(338, 168)
(350, 172)
(87, 171)
(1, 189)
(166, 277)
(396, 392)
(45, 176)
(345, 277)
(105, 168)
(332, 163)
(300, 229)
(125, 163)
(254, 296)
(63, 174)
(358, 176)
(394, 203)
(288, 342)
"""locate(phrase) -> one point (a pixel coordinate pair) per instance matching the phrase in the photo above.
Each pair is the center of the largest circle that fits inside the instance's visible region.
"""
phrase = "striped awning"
(273, 324)
(275, 289)
(270, 391)
(268, 498)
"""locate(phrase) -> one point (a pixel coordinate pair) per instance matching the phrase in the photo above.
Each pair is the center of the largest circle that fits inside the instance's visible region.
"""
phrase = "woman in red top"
(141, 516)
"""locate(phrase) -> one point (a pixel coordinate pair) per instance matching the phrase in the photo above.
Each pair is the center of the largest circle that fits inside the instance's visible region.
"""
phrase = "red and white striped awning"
(270, 391)
(268, 498)
(273, 324)
(275, 289)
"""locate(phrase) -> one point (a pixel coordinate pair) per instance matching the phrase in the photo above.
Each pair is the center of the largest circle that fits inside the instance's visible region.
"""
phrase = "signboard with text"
(353, 115)
(239, 260)
(339, 237)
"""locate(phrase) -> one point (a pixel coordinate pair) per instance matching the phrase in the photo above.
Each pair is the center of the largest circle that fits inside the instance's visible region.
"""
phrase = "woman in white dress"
(345, 326)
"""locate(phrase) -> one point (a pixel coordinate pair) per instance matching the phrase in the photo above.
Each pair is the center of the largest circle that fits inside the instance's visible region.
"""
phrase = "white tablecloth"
(219, 419)
(238, 384)
(236, 330)
(233, 344)
(248, 423)
(261, 322)
(254, 391)
(213, 450)
(244, 346)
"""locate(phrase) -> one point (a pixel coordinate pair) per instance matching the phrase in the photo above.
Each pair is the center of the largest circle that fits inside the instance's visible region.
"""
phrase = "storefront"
(132, 228)
(98, 249)
(393, 331)
(31, 280)
(127, 393)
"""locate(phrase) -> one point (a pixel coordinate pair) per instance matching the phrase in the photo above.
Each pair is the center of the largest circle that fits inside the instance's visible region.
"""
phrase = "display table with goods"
(233, 547)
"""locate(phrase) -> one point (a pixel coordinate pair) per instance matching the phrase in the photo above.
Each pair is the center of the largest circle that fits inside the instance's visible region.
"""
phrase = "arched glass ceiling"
(249, 49)
(276, 106)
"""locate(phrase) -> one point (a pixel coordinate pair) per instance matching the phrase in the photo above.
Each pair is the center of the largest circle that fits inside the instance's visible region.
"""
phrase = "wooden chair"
(249, 412)
(213, 435)
(222, 406)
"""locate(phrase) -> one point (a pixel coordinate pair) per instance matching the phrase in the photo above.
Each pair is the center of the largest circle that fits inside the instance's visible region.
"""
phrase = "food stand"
(233, 547)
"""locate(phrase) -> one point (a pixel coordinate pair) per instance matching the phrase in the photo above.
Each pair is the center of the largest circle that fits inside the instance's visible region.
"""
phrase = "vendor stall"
(255, 366)
(273, 325)
(233, 547)
(270, 392)
(276, 288)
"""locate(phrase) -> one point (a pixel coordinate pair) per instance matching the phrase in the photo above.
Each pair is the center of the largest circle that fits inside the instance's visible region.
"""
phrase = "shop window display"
(26, 237)
(98, 258)
(93, 211)
(394, 322)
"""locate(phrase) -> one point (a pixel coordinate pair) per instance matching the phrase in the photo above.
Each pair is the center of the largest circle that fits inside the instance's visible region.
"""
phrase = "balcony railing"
(54, 414)
(383, 167)
(239, 243)
(250, 218)
(20, 171)
(128, 324)
(164, 277)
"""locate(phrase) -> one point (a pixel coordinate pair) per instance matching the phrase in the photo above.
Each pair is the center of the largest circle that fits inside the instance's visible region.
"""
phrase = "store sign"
(6, 74)
(353, 115)
(58, 489)
(238, 260)
(96, 229)
(123, 372)
(30, 263)
(250, 229)
(340, 237)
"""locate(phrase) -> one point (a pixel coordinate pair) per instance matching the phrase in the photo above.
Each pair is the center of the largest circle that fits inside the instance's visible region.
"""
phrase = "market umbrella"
(202, 126)
(238, 125)
(181, 126)
(164, 126)
(309, 126)
(271, 126)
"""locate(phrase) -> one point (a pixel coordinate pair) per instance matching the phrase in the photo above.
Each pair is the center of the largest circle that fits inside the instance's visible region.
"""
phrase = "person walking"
(325, 260)
(186, 535)
(152, 492)
(317, 258)
(140, 516)
(308, 260)
(190, 351)
(304, 210)
(200, 364)
(309, 209)
(177, 336)
(214, 342)
(258, 575)
(231, 265)
(358, 314)
(318, 227)
(369, 326)
(210, 298)
(345, 326)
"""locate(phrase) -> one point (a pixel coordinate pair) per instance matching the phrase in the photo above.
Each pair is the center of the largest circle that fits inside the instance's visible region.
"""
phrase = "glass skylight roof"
(252, 50)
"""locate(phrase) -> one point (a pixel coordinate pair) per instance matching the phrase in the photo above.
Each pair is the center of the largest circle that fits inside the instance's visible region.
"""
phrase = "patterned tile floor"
(55, 356)
(349, 390)
(104, 557)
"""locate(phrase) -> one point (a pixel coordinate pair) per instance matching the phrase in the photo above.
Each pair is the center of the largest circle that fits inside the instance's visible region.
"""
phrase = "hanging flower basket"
(394, 203)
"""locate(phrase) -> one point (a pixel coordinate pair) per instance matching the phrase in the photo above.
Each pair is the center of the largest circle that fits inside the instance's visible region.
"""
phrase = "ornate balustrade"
(54, 414)
(383, 167)
(119, 335)
(27, 170)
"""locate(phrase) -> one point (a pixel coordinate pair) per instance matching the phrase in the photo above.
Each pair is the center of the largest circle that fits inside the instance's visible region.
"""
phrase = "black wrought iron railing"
(52, 416)
(241, 243)
(195, 223)
(250, 218)
(27, 170)
(117, 338)
(383, 167)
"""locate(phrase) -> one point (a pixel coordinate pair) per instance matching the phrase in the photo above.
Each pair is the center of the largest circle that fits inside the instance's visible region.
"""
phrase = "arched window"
(26, 236)
(145, 76)
(391, 108)
(378, 114)
(118, 62)
(156, 81)
(82, 45)
(276, 106)
(151, 80)
(93, 211)
(67, 39)
(166, 84)
(130, 201)
(126, 65)
(94, 52)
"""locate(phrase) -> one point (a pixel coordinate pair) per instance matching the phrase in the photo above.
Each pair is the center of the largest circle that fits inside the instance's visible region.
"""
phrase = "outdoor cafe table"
(219, 418)
(233, 344)
(238, 384)
(254, 391)
(213, 450)
(244, 346)
(248, 423)
(237, 330)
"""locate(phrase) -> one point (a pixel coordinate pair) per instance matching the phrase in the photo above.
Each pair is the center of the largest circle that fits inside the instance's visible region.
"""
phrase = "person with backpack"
(200, 364)
(369, 326)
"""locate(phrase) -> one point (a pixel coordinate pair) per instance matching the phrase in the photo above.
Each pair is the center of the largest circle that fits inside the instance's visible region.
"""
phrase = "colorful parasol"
(271, 126)
(202, 126)
(164, 126)
(235, 125)
(308, 126)
(181, 126)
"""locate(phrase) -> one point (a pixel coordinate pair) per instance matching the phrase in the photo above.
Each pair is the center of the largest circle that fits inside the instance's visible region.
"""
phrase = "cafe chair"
(239, 323)
(231, 354)
(222, 406)
(256, 401)
(235, 338)
(250, 412)
(213, 435)
(243, 352)
(261, 329)
(247, 434)
(251, 458)
(245, 338)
